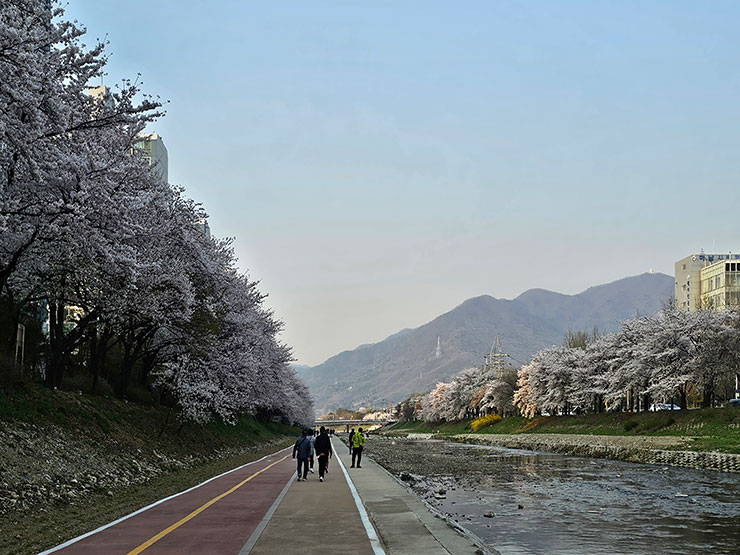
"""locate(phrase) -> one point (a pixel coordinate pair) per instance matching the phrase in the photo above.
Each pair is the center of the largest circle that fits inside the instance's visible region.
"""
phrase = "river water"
(521, 502)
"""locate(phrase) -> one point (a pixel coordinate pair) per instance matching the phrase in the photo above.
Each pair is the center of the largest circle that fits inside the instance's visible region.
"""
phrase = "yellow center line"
(197, 511)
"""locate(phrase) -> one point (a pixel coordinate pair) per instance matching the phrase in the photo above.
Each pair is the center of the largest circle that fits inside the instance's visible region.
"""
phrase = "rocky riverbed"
(520, 501)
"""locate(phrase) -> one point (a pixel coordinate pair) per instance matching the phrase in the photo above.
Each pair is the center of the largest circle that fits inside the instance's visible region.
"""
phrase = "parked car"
(664, 406)
(733, 403)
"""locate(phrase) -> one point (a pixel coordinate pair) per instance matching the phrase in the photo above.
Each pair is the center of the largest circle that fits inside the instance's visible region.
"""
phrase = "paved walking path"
(316, 517)
(402, 520)
(260, 509)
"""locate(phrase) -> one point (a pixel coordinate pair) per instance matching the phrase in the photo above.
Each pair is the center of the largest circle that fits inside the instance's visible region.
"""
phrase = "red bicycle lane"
(216, 517)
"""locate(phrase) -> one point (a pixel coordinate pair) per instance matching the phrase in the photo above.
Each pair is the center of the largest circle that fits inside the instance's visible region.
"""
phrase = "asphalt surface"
(223, 527)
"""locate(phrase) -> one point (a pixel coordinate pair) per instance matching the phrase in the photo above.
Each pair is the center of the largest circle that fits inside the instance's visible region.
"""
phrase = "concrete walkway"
(403, 522)
(314, 518)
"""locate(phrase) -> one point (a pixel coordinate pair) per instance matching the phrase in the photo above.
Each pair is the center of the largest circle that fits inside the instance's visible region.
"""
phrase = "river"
(522, 502)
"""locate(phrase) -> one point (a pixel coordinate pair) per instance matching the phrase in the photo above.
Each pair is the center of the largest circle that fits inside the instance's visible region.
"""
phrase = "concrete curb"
(480, 544)
(424, 506)
(600, 447)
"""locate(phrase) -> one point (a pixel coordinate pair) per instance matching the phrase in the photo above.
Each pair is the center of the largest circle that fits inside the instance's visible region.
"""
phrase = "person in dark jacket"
(351, 435)
(302, 450)
(323, 449)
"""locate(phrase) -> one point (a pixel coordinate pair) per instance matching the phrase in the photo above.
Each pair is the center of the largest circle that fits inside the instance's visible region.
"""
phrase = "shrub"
(76, 382)
(658, 424)
(484, 421)
(630, 425)
(139, 394)
(103, 388)
(532, 424)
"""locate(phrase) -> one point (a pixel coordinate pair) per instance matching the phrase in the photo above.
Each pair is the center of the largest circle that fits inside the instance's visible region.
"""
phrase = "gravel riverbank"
(519, 501)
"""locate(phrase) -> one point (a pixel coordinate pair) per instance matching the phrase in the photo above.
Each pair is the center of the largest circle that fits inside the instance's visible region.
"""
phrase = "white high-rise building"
(153, 150)
(150, 145)
(102, 94)
(204, 228)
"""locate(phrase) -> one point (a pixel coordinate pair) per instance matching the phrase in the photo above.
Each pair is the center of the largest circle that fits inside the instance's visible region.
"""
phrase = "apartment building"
(708, 281)
(153, 150)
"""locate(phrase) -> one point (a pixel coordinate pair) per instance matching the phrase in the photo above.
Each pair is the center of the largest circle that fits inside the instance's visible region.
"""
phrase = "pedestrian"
(358, 440)
(311, 437)
(302, 450)
(323, 452)
(351, 435)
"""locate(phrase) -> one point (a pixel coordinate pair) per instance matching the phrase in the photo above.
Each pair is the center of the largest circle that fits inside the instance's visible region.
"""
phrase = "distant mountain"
(407, 361)
(300, 368)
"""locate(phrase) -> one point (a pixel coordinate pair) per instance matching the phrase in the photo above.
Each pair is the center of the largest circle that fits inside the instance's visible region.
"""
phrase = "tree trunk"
(682, 397)
(93, 358)
(126, 366)
(147, 367)
(706, 401)
(164, 424)
(55, 369)
(98, 355)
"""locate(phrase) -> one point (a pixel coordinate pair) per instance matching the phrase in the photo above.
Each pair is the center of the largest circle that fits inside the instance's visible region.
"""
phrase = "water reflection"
(546, 503)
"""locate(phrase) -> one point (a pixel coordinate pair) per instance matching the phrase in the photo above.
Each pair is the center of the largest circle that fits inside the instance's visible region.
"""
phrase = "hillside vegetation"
(71, 462)
(715, 429)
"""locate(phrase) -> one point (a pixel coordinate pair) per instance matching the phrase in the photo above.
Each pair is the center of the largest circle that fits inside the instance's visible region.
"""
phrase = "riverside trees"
(135, 293)
(671, 356)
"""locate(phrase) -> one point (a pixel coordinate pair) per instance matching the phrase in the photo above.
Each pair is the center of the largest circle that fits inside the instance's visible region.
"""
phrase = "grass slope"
(716, 429)
(110, 429)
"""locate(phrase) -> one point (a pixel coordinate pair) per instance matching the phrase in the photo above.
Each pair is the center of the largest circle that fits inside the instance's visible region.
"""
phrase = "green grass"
(133, 424)
(715, 429)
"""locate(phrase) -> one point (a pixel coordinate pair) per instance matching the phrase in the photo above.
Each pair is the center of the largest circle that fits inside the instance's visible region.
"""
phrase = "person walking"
(312, 437)
(358, 441)
(323, 451)
(302, 450)
(351, 435)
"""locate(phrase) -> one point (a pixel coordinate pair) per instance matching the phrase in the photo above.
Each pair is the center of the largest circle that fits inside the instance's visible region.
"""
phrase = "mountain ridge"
(406, 362)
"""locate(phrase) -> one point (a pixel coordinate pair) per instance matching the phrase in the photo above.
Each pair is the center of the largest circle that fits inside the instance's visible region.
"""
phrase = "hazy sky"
(380, 162)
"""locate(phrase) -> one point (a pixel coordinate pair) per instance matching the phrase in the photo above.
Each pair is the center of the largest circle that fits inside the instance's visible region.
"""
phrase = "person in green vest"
(358, 440)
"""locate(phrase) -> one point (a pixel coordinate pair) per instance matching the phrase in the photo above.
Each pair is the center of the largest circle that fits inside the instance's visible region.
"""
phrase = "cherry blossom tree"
(89, 229)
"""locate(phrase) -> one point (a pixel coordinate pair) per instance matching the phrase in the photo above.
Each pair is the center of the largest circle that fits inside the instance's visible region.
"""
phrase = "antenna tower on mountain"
(495, 360)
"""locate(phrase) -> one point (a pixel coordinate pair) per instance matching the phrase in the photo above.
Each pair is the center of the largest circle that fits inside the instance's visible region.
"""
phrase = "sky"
(380, 162)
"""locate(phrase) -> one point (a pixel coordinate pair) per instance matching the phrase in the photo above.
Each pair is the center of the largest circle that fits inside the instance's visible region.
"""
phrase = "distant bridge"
(353, 423)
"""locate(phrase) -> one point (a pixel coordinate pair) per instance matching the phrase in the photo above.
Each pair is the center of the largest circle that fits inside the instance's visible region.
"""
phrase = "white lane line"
(371, 534)
(83, 536)
(268, 515)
